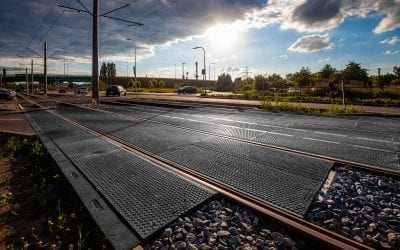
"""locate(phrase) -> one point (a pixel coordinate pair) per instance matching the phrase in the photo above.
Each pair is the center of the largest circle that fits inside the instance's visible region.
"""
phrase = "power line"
(50, 28)
(41, 24)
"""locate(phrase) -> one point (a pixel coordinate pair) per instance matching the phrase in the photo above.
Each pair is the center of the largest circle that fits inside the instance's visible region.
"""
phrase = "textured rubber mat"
(287, 180)
(145, 195)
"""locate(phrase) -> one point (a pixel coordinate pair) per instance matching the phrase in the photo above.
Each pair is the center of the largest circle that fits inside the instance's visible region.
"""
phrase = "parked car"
(187, 90)
(81, 91)
(7, 94)
(115, 90)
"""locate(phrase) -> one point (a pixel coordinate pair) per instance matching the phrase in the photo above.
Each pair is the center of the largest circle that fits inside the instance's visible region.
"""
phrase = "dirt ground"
(35, 211)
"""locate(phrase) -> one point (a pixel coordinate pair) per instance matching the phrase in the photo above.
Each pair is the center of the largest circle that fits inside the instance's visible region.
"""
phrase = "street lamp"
(134, 67)
(209, 71)
(183, 71)
(204, 52)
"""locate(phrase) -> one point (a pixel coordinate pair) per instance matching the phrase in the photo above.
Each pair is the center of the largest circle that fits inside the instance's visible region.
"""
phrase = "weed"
(4, 182)
(81, 238)
(61, 216)
(48, 221)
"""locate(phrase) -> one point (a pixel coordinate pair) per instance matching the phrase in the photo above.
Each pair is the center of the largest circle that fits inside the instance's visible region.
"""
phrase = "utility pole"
(183, 71)
(175, 70)
(95, 48)
(26, 78)
(246, 72)
(203, 72)
(197, 77)
(32, 75)
(45, 68)
(134, 67)
(95, 55)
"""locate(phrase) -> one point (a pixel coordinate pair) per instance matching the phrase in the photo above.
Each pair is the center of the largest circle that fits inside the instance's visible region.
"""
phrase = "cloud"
(389, 52)
(323, 15)
(324, 60)
(230, 70)
(391, 8)
(390, 41)
(283, 56)
(311, 43)
(316, 15)
(165, 22)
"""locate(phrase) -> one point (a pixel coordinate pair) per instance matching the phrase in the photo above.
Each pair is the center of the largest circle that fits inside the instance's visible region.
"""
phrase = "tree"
(224, 83)
(276, 81)
(396, 71)
(327, 71)
(353, 71)
(111, 70)
(260, 83)
(103, 70)
(302, 78)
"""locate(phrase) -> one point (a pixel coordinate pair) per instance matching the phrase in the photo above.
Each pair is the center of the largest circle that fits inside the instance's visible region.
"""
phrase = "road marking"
(369, 148)
(229, 126)
(297, 129)
(274, 133)
(325, 133)
(313, 139)
(370, 139)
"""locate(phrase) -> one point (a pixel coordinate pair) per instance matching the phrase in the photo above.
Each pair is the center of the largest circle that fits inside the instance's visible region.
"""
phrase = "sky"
(242, 38)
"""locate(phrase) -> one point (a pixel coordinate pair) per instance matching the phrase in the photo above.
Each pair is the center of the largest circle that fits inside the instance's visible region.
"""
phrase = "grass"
(339, 109)
(286, 106)
(35, 212)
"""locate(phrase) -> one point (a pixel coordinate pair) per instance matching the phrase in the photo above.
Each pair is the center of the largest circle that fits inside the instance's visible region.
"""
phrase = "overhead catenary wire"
(152, 12)
(41, 24)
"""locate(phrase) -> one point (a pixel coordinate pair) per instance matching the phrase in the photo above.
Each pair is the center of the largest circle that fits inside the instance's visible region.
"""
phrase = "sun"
(222, 36)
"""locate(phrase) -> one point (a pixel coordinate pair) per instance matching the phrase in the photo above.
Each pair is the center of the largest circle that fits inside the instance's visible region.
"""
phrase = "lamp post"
(134, 67)
(209, 70)
(204, 53)
(183, 71)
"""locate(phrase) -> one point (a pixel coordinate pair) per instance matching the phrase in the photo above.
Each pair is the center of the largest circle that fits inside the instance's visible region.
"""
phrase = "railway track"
(339, 162)
(316, 233)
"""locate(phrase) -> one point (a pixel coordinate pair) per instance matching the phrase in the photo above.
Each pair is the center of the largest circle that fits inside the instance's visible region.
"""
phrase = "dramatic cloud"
(391, 8)
(390, 41)
(69, 32)
(311, 43)
(316, 15)
(322, 15)
(389, 52)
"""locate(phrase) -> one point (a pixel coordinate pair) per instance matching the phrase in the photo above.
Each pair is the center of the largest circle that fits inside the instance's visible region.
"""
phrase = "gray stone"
(224, 225)
(181, 245)
(191, 247)
(277, 237)
(223, 233)
(288, 243)
(167, 232)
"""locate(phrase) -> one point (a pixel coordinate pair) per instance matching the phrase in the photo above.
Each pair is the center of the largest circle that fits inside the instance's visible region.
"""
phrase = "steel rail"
(323, 236)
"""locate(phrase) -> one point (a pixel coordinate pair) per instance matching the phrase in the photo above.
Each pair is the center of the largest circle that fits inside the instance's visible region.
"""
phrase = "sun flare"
(222, 36)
